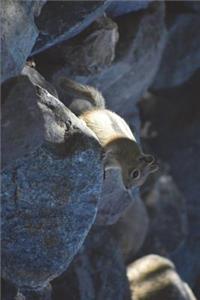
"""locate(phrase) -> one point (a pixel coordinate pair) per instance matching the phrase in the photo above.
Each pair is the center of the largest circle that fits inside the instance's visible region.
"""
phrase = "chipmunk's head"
(135, 166)
(136, 171)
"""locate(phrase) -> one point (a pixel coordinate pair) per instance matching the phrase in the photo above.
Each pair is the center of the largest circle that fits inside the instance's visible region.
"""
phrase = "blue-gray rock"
(131, 229)
(175, 116)
(19, 34)
(137, 57)
(37, 79)
(61, 20)
(22, 121)
(118, 8)
(181, 57)
(97, 272)
(115, 200)
(166, 206)
(49, 195)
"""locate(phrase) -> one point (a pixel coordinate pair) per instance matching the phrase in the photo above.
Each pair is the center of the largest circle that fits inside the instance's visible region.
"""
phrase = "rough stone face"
(97, 272)
(154, 277)
(131, 229)
(115, 199)
(118, 8)
(168, 227)
(37, 79)
(22, 121)
(49, 196)
(18, 34)
(181, 57)
(95, 51)
(175, 116)
(62, 20)
(138, 54)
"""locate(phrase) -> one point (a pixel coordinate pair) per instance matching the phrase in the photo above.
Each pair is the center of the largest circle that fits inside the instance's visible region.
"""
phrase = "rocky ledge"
(69, 231)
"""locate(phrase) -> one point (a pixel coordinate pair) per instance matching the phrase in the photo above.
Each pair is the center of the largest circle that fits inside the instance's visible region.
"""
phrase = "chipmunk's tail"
(86, 91)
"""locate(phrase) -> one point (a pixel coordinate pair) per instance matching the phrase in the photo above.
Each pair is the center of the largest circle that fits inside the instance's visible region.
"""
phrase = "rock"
(115, 199)
(22, 121)
(181, 57)
(154, 277)
(131, 229)
(50, 195)
(166, 207)
(37, 79)
(60, 21)
(97, 272)
(44, 294)
(138, 53)
(95, 51)
(175, 116)
(19, 33)
(118, 8)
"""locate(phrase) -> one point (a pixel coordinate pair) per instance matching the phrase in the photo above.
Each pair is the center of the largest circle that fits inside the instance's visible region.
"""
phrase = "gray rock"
(181, 57)
(19, 33)
(97, 272)
(168, 227)
(37, 79)
(43, 294)
(154, 277)
(49, 195)
(118, 8)
(131, 229)
(115, 199)
(138, 54)
(62, 20)
(175, 116)
(22, 121)
(94, 51)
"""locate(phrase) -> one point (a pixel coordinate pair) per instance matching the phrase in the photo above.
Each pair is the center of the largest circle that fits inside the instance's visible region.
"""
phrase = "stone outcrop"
(98, 271)
(19, 34)
(68, 228)
(50, 191)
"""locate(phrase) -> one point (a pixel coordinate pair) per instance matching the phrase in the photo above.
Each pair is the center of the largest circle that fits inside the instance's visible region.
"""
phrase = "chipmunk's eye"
(135, 174)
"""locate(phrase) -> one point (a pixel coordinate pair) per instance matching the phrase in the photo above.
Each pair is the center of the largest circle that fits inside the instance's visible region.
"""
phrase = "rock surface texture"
(49, 195)
(69, 229)
(19, 34)
(98, 270)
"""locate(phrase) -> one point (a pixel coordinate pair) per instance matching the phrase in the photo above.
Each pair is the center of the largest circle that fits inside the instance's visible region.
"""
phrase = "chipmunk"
(120, 147)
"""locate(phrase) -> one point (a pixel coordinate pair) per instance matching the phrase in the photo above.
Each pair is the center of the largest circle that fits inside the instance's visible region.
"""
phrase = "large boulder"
(175, 116)
(137, 57)
(61, 20)
(19, 34)
(50, 187)
(97, 272)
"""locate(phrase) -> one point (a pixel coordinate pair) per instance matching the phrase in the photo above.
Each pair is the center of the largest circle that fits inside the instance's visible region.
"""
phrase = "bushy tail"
(86, 91)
